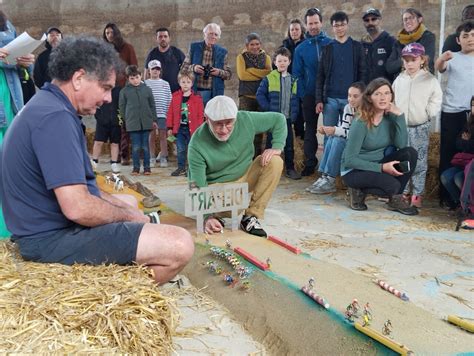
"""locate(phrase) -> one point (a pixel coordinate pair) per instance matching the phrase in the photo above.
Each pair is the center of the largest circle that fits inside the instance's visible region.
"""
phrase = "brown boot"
(398, 203)
(357, 199)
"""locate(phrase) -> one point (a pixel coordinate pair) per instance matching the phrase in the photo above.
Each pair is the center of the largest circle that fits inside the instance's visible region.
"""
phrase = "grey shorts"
(105, 244)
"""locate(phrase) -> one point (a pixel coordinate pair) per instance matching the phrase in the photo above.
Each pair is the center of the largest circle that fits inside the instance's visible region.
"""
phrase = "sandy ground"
(346, 251)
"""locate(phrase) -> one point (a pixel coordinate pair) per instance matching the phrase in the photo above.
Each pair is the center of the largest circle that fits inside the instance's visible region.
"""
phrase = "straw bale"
(299, 154)
(52, 308)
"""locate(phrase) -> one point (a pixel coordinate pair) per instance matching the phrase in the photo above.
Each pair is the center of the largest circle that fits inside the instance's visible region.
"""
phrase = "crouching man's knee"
(275, 164)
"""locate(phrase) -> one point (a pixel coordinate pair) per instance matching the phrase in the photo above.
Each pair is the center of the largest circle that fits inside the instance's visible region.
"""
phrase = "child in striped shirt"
(162, 95)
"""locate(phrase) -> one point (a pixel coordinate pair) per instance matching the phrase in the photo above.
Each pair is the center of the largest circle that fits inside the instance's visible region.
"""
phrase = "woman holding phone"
(376, 159)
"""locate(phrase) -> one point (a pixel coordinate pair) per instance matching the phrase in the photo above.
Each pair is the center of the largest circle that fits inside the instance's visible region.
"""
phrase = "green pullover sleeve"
(400, 130)
(269, 121)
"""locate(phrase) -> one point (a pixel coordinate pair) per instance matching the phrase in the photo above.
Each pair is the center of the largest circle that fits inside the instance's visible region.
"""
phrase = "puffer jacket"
(269, 94)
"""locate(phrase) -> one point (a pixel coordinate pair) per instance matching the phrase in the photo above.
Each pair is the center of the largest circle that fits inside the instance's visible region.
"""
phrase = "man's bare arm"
(113, 200)
(78, 205)
(442, 62)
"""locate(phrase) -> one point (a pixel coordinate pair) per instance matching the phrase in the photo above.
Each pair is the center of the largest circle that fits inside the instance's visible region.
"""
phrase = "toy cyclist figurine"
(387, 328)
(367, 314)
(352, 309)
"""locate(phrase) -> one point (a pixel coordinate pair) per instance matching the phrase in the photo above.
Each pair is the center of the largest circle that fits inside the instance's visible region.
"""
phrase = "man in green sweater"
(221, 151)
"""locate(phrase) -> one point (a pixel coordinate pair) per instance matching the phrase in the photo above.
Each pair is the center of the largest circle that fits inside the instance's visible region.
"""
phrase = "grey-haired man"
(51, 202)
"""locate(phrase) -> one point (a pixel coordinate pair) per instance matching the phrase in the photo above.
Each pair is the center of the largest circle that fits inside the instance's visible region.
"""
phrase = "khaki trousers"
(262, 183)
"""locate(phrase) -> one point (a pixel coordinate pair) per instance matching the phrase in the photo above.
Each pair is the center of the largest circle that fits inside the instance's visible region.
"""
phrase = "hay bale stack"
(432, 180)
(299, 154)
(51, 308)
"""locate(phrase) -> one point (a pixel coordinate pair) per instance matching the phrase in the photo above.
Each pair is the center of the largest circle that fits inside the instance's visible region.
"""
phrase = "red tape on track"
(252, 259)
(284, 244)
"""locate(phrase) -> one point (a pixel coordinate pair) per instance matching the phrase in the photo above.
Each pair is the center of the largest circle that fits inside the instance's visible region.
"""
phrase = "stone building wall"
(138, 19)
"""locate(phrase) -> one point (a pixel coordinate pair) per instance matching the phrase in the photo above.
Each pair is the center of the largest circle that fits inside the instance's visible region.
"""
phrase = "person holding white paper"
(11, 96)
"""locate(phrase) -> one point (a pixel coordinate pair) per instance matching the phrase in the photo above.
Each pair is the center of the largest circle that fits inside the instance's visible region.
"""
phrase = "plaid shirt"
(202, 83)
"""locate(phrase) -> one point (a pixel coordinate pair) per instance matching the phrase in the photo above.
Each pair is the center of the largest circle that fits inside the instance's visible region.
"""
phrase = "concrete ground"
(421, 255)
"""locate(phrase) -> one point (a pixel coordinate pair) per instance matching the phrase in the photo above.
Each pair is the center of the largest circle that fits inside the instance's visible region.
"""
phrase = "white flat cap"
(221, 107)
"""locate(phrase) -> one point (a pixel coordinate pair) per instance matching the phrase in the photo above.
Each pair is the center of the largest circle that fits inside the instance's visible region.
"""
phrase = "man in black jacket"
(342, 63)
(40, 73)
(377, 45)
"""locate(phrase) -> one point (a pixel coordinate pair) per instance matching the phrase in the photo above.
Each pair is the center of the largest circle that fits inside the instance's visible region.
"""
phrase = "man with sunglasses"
(377, 45)
(221, 151)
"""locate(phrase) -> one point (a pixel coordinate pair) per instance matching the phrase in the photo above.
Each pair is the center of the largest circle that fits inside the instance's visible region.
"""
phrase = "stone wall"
(138, 19)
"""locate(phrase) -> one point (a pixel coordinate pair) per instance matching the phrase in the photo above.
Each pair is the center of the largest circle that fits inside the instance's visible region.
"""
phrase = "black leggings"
(383, 184)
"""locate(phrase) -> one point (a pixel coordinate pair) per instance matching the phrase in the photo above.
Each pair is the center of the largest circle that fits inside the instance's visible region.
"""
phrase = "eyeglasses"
(409, 18)
(221, 124)
(339, 25)
(371, 19)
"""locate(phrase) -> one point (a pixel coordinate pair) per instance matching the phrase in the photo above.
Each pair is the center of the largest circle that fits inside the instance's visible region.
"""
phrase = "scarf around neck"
(405, 38)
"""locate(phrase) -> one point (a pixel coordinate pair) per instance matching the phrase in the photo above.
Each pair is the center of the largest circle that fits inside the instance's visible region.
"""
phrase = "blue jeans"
(182, 141)
(331, 161)
(140, 142)
(453, 179)
(206, 95)
(333, 110)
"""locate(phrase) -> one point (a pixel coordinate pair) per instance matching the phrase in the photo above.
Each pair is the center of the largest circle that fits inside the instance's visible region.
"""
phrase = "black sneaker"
(307, 171)
(292, 174)
(179, 172)
(251, 225)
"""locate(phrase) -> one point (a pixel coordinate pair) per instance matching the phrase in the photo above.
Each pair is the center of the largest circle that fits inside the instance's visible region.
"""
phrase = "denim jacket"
(11, 73)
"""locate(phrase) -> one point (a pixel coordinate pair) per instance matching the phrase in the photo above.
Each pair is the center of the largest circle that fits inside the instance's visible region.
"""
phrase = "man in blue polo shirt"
(51, 201)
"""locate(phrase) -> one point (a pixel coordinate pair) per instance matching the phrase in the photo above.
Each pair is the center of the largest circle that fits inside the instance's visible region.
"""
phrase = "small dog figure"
(107, 180)
(118, 185)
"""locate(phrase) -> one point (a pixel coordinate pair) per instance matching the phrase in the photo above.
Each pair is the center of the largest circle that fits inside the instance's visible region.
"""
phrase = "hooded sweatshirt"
(377, 52)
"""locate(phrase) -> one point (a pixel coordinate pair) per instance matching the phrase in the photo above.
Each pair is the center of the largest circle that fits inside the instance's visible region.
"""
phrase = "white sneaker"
(321, 180)
(152, 163)
(163, 162)
(115, 167)
(94, 165)
(329, 186)
(158, 157)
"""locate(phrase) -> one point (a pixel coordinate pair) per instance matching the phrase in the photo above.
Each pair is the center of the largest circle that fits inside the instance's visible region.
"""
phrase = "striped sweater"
(162, 95)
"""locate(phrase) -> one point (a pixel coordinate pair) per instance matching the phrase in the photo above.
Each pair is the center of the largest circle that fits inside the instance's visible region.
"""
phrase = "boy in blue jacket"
(278, 92)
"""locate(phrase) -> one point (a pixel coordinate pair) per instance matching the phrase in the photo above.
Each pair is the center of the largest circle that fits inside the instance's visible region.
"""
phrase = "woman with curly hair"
(376, 159)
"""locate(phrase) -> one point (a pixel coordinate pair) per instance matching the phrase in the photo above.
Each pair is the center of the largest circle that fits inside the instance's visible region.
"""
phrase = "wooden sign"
(216, 198)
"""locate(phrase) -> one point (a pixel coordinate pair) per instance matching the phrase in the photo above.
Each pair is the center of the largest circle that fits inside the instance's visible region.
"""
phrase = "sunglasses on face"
(371, 19)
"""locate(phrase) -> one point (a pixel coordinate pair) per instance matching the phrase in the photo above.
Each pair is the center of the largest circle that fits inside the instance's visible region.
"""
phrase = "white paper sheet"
(22, 45)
